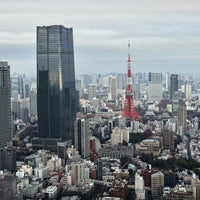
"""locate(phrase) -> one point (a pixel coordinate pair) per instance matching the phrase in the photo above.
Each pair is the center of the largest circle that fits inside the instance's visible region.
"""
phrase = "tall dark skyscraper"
(82, 137)
(5, 104)
(173, 84)
(55, 82)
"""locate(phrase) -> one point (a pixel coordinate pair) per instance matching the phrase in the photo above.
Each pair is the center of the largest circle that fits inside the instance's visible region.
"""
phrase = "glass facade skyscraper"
(5, 104)
(173, 85)
(56, 96)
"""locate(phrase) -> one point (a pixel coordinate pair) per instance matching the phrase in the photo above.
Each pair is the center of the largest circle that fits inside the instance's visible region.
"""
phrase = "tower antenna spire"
(129, 107)
(129, 56)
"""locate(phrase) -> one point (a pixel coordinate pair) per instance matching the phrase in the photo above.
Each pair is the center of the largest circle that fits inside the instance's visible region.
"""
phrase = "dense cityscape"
(97, 136)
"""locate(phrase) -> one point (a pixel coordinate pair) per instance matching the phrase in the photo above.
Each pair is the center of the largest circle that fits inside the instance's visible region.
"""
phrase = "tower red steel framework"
(129, 107)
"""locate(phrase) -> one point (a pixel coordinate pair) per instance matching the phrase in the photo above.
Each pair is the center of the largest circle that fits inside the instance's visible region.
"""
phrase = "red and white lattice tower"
(129, 107)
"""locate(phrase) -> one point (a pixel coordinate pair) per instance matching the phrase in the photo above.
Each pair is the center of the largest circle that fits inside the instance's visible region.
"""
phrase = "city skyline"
(164, 34)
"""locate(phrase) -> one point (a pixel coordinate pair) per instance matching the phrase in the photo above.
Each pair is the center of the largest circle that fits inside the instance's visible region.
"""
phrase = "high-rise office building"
(168, 139)
(33, 98)
(116, 136)
(182, 117)
(20, 108)
(121, 81)
(188, 91)
(56, 96)
(155, 77)
(79, 87)
(167, 81)
(18, 85)
(27, 90)
(8, 159)
(113, 87)
(157, 184)
(136, 91)
(14, 85)
(155, 88)
(173, 84)
(8, 185)
(16, 104)
(78, 172)
(139, 186)
(99, 169)
(91, 91)
(82, 137)
(5, 104)
(170, 178)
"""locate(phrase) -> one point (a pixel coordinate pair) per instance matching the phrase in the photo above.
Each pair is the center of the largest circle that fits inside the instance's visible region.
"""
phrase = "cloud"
(165, 32)
(17, 38)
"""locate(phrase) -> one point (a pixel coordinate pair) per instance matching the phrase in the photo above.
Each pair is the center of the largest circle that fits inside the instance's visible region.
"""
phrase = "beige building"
(91, 91)
(112, 87)
(41, 172)
(155, 87)
(157, 184)
(149, 146)
(187, 90)
(78, 172)
(182, 117)
(119, 135)
(196, 191)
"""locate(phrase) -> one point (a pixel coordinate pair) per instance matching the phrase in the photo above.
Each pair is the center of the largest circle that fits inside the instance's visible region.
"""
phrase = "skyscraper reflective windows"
(5, 104)
(173, 84)
(55, 82)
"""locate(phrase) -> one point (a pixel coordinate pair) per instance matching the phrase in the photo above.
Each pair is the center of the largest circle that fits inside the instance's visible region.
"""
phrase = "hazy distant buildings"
(121, 81)
(79, 87)
(18, 85)
(91, 91)
(16, 107)
(167, 82)
(20, 108)
(5, 104)
(14, 85)
(56, 96)
(33, 98)
(155, 88)
(187, 89)
(136, 88)
(86, 79)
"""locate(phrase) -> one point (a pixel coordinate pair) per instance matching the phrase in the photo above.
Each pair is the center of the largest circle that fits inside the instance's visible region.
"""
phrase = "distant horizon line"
(110, 73)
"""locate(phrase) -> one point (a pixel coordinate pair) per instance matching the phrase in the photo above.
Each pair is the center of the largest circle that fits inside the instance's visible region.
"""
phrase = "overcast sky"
(164, 34)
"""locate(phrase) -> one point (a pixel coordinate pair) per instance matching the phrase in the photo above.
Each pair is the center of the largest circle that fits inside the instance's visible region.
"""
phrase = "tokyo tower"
(129, 107)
